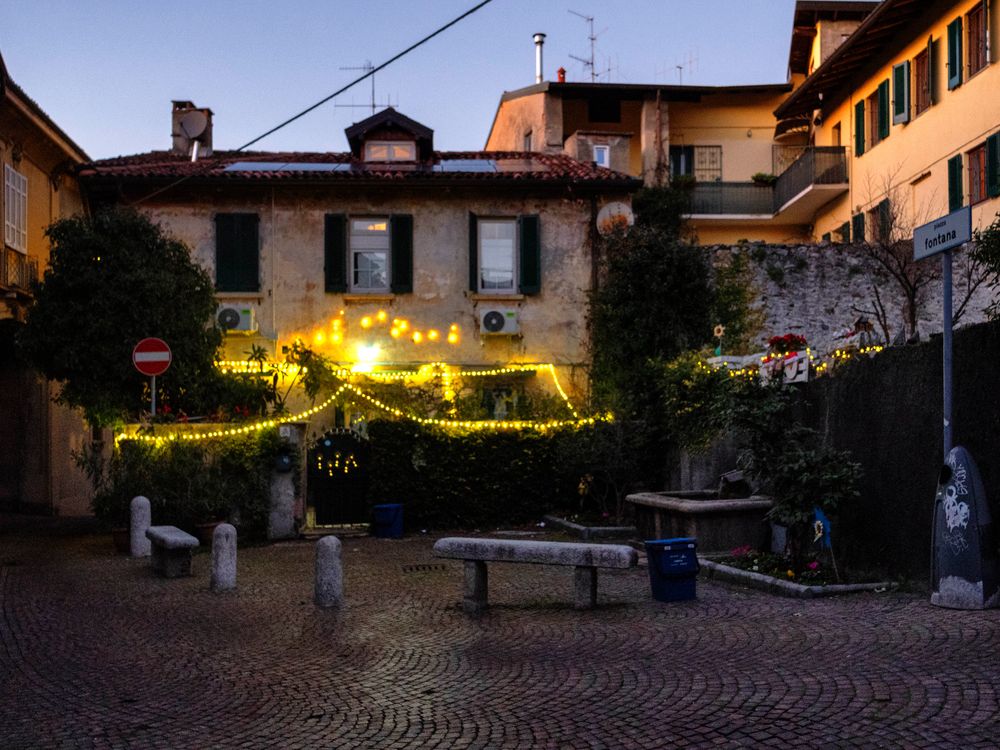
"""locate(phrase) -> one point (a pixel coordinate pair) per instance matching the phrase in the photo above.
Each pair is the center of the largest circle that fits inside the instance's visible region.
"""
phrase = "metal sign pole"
(152, 388)
(946, 347)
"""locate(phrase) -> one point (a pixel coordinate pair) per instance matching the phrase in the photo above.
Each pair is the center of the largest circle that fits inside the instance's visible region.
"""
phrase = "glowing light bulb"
(433, 335)
(318, 338)
(366, 322)
(452, 337)
(394, 332)
(403, 325)
(336, 337)
(381, 316)
(417, 337)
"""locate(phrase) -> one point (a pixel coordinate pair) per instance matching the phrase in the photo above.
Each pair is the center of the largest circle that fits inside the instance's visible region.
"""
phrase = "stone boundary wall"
(812, 290)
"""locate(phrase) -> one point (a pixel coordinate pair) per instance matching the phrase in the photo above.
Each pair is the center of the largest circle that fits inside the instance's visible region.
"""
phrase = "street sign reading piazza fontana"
(942, 234)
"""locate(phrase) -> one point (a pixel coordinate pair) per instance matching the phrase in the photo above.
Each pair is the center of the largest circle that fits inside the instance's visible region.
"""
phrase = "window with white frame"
(390, 151)
(602, 156)
(15, 209)
(497, 255)
(370, 254)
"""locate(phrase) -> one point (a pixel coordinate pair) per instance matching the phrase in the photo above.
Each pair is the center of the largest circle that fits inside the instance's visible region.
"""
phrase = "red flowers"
(790, 342)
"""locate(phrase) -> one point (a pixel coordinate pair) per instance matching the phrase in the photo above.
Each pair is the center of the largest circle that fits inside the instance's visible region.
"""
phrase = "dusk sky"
(106, 71)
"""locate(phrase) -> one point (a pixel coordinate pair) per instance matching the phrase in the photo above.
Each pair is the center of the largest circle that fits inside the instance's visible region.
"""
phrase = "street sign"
(942, 234)
(151, 357)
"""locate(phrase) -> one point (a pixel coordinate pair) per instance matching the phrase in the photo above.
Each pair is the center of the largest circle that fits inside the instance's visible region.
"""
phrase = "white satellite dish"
(193, 124)
(614, 215)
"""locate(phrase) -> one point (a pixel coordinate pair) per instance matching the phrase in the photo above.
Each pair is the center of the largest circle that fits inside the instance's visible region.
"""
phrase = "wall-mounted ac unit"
(498, 321)
(236, 318)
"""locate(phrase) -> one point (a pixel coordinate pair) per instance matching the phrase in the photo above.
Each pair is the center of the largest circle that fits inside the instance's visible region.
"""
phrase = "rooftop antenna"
(690, 62)
(589, 62)
(367, 68)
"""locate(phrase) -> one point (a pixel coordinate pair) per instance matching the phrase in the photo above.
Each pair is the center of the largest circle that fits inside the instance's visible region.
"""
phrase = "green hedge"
(478, 479)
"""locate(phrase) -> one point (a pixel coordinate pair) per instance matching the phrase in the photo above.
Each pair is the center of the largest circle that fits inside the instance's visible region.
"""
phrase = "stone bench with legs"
(586, 558)
(171, 551)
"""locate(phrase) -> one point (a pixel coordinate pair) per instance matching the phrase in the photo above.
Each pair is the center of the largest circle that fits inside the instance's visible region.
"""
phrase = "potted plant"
(764, 179)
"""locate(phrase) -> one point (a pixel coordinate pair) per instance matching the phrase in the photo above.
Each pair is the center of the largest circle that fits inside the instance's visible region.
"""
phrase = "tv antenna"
(690, 63)
(367, 68)
(589, 62)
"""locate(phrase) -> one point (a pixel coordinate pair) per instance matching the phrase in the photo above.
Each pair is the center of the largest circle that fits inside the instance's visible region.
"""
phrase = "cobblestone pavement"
(96, 653)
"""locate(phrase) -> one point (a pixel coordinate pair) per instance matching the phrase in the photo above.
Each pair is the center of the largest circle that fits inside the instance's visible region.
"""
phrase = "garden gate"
(338, 478)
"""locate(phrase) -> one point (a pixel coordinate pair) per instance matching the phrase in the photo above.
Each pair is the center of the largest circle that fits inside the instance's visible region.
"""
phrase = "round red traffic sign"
(151, 357)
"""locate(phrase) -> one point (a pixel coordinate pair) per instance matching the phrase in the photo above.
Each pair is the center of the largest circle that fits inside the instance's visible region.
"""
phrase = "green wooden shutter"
(993, 165)
(473, 253)
(884, 213)
(237, 252)
(401, 237)
(901, 93)
(955, 197)
(931, 67)
(845, 232)
(528, 230)
(955, 53)
(859, 128)
(883, 109)
(335, 253)
(858, 227)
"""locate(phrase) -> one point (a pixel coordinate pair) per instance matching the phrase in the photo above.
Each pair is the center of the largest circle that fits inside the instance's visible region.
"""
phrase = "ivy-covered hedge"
(190, 482)
(481, 479)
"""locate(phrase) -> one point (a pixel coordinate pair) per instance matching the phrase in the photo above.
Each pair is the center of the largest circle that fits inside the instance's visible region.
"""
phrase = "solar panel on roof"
(286, 166)
(466, 165)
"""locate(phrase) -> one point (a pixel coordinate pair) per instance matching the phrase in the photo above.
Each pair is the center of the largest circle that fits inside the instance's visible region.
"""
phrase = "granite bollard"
(224, 558)
(329, 572)
(140, 520)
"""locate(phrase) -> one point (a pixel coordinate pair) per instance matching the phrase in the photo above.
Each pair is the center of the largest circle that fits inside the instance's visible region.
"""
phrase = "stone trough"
(719, 525)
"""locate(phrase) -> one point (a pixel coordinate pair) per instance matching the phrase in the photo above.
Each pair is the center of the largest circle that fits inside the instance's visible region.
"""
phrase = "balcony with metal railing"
(817, 176)
(17, 271)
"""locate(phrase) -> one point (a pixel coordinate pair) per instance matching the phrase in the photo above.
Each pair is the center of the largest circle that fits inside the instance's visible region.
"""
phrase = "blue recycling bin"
(388, 520)
(673, 568)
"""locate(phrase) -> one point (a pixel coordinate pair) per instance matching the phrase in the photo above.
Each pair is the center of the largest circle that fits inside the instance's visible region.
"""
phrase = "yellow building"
(914, 94)
(38, 161)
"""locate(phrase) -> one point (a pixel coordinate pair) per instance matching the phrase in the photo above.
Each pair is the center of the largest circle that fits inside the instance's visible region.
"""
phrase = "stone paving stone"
(97, 652)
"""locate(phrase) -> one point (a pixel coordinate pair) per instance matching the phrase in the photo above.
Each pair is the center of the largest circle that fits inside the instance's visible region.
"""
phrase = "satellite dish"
(193, 123)
(616, 215)
(229, 318)
(493, 321)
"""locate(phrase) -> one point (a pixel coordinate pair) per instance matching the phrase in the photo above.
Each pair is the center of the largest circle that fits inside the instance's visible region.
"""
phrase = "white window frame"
(15, 209)
(354, 249)
(397, 150)
(512, 221)
(604, 149)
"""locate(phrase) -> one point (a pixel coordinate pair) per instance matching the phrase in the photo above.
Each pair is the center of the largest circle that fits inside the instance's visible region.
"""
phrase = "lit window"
(497, 242)
(15, 211)
(370, 254)
(390, 151)
(602, 156)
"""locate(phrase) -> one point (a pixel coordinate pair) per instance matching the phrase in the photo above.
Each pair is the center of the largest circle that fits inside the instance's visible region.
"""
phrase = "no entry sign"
(151, 357)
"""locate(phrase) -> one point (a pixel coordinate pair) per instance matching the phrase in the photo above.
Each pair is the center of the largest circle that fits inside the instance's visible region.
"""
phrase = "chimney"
(191, 130)
(539, 41)
(561, 75)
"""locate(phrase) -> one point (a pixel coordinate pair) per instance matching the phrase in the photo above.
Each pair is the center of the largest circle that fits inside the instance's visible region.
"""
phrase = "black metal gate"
(338, 478)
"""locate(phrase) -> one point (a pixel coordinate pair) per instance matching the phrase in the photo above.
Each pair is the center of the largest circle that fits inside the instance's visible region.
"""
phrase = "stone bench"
(171, 551)
(586, 558)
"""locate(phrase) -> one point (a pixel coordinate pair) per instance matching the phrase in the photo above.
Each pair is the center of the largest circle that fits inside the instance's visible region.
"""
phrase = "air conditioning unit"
(498, 321)
(236, 318)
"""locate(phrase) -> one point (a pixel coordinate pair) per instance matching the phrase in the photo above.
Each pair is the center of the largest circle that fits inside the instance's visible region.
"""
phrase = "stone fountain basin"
(719, 524)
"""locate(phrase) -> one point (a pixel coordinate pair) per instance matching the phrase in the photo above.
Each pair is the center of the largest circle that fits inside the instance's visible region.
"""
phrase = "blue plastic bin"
(673, 568)
(388, 520)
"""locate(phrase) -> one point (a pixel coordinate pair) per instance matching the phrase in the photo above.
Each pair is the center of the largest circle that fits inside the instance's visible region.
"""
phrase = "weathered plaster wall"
(538, 114)
(813, 290)
(292, 302)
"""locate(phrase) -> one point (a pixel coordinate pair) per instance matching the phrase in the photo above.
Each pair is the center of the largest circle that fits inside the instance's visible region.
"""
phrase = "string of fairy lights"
(820, 364)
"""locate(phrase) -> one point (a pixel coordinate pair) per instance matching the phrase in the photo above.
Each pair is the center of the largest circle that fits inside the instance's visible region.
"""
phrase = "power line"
(370, 72)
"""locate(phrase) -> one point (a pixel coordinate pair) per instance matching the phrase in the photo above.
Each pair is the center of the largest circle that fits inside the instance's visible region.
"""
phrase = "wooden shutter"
(988, 36)
(858, 227)
(955, 197)
(883, 109)
(859, 128)
(901, 93)
(530, 266)
(237, 252)
(845, 232)
(884, 228)
(335, 253)
(473, 253)
(401, 237)
(993, 165)
(955, 54)
(931, 78)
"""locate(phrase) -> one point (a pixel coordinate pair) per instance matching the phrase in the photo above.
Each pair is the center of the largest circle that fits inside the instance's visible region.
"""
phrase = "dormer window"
(390, 151)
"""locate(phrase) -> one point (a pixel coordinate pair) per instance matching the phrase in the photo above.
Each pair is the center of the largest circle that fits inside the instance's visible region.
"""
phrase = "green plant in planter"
(763, 178)
(800, 475)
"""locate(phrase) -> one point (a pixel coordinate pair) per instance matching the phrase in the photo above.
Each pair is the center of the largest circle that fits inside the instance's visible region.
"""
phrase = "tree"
(115, 278)
(986, 252)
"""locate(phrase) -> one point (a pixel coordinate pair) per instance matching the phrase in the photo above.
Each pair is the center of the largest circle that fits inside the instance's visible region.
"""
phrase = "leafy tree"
(986, 252)
(115, 278)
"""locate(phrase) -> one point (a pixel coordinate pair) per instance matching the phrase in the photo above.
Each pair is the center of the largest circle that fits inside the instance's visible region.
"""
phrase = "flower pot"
(204, 532)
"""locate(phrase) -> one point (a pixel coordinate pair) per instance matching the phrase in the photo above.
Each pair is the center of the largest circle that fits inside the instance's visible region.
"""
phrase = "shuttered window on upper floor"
(237, 252)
